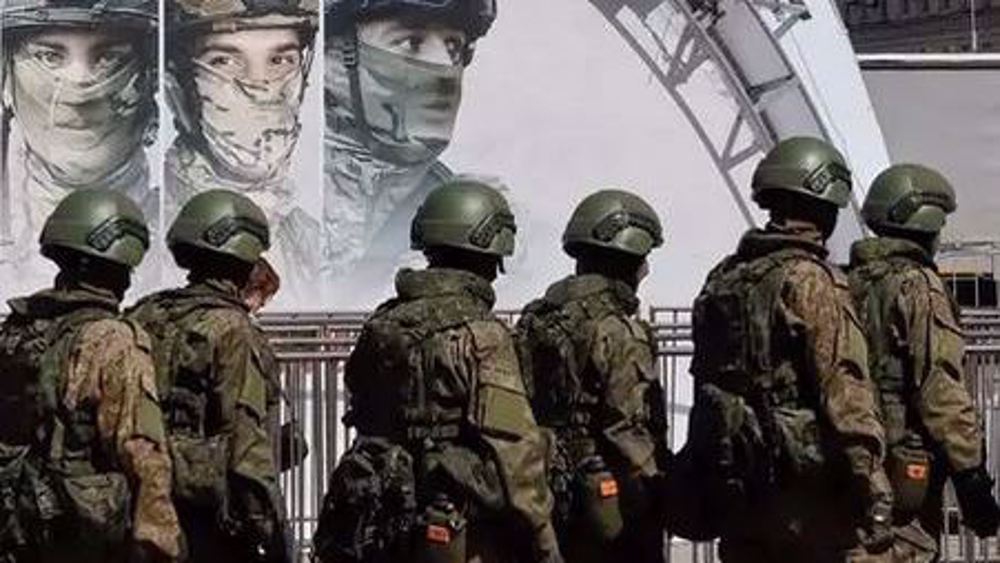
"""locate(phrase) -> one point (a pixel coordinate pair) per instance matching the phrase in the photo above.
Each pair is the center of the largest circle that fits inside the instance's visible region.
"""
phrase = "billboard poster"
(338, 129)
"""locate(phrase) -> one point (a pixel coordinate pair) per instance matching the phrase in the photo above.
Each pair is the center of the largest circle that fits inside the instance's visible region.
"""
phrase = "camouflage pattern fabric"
(807, 356)
(372, 192)
(215, 371)
(916, 361)
(106, 376)
(590, 367)
(437, 373)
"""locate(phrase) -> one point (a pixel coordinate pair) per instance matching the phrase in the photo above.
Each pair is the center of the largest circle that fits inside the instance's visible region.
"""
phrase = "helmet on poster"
(803, 166)
(220, 222)
(472, 16)
(467, 215)
(909, 197)
(235, 15)
(614, 220)
(21, 15)
(100, 223)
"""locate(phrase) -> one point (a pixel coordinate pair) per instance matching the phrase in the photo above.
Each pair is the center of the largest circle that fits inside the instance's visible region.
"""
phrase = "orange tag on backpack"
(609, 488)
(916, 471)
(438, 534)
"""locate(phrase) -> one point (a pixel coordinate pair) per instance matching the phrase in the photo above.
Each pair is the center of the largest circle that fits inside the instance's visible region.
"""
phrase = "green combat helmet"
(467, 215)
(473, 16)
(614, 220)
(222, 222)
(99, 223)
(805, 166)
(909, 197)
(234, 15)
(44, 14)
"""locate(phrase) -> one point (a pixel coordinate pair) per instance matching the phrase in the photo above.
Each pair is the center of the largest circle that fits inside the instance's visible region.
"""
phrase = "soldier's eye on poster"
(78, 89)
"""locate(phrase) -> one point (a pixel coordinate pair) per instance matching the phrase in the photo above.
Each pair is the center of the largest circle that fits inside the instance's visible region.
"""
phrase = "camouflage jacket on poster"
(776, 319)
(107, 404)
(437, 372)
(589, 364)
(916, 349)
(216, 374)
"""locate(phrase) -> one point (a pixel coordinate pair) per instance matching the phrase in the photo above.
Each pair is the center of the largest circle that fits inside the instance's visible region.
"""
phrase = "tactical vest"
(58, 488)
(748, 369)
(176, 322)
(874, 288)
(738, 345)
(559, 338)
(396, 401)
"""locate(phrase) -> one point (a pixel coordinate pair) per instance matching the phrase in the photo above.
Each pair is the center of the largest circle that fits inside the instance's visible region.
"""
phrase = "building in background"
(922, 26)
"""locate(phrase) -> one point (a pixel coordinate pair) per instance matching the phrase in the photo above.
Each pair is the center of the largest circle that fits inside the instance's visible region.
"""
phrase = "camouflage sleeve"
(631, 415)
(936, 346)
(522, 342)
(499, 408)
(112, 366)
(817, 309)
(241, 396)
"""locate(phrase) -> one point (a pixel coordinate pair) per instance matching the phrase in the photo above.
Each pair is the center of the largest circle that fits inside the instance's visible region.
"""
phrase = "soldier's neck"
(67, 282)
(798, 228)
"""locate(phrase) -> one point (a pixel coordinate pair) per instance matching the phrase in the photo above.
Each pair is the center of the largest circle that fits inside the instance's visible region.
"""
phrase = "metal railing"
(313, 348)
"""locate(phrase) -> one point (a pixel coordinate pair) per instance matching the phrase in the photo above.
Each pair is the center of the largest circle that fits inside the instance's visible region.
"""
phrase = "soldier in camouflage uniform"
(589, 364)
(217, 375)
(77, 79)
(81, 433)
(785, 423)
(393, 87)
(449, 463)
(236, 76)
(915, 356)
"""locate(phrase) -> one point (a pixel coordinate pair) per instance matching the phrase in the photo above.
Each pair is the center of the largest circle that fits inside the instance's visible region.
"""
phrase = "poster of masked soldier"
(393, 85)
(236, 82)
(78, 82)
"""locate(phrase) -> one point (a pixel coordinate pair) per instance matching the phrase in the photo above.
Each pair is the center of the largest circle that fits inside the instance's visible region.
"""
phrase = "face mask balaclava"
(249, 128)
(81, 130)
(410, 106)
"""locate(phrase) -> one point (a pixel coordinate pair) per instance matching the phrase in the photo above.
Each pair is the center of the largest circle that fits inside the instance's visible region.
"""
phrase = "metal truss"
(740, 42)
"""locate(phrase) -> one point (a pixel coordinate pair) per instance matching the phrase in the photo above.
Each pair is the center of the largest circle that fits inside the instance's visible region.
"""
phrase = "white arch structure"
(787, 66)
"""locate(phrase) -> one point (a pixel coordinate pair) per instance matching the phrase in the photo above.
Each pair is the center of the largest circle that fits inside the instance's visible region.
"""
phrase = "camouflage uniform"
(448, 456)
(785, 422)
(109, 401)
(816, 364)
(217, 375)
(916, 347)
(215, 372)
(85, 469)
(603, 399)
(916, 344)
(589, 366)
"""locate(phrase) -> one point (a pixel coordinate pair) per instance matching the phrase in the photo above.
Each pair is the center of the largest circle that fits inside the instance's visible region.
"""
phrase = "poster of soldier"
(546, 281)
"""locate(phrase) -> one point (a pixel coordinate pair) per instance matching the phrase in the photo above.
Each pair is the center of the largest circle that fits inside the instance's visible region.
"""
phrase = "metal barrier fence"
(313, 348)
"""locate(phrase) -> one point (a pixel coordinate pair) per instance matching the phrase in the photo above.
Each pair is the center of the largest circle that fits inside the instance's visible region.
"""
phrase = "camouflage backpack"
(754, 421)
(407, 449)
(874, 289)
(55, 490)
(181, 353)
(555, 337)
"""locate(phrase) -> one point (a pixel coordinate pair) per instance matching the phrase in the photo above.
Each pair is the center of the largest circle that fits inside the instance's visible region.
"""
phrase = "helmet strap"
(349, 54)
